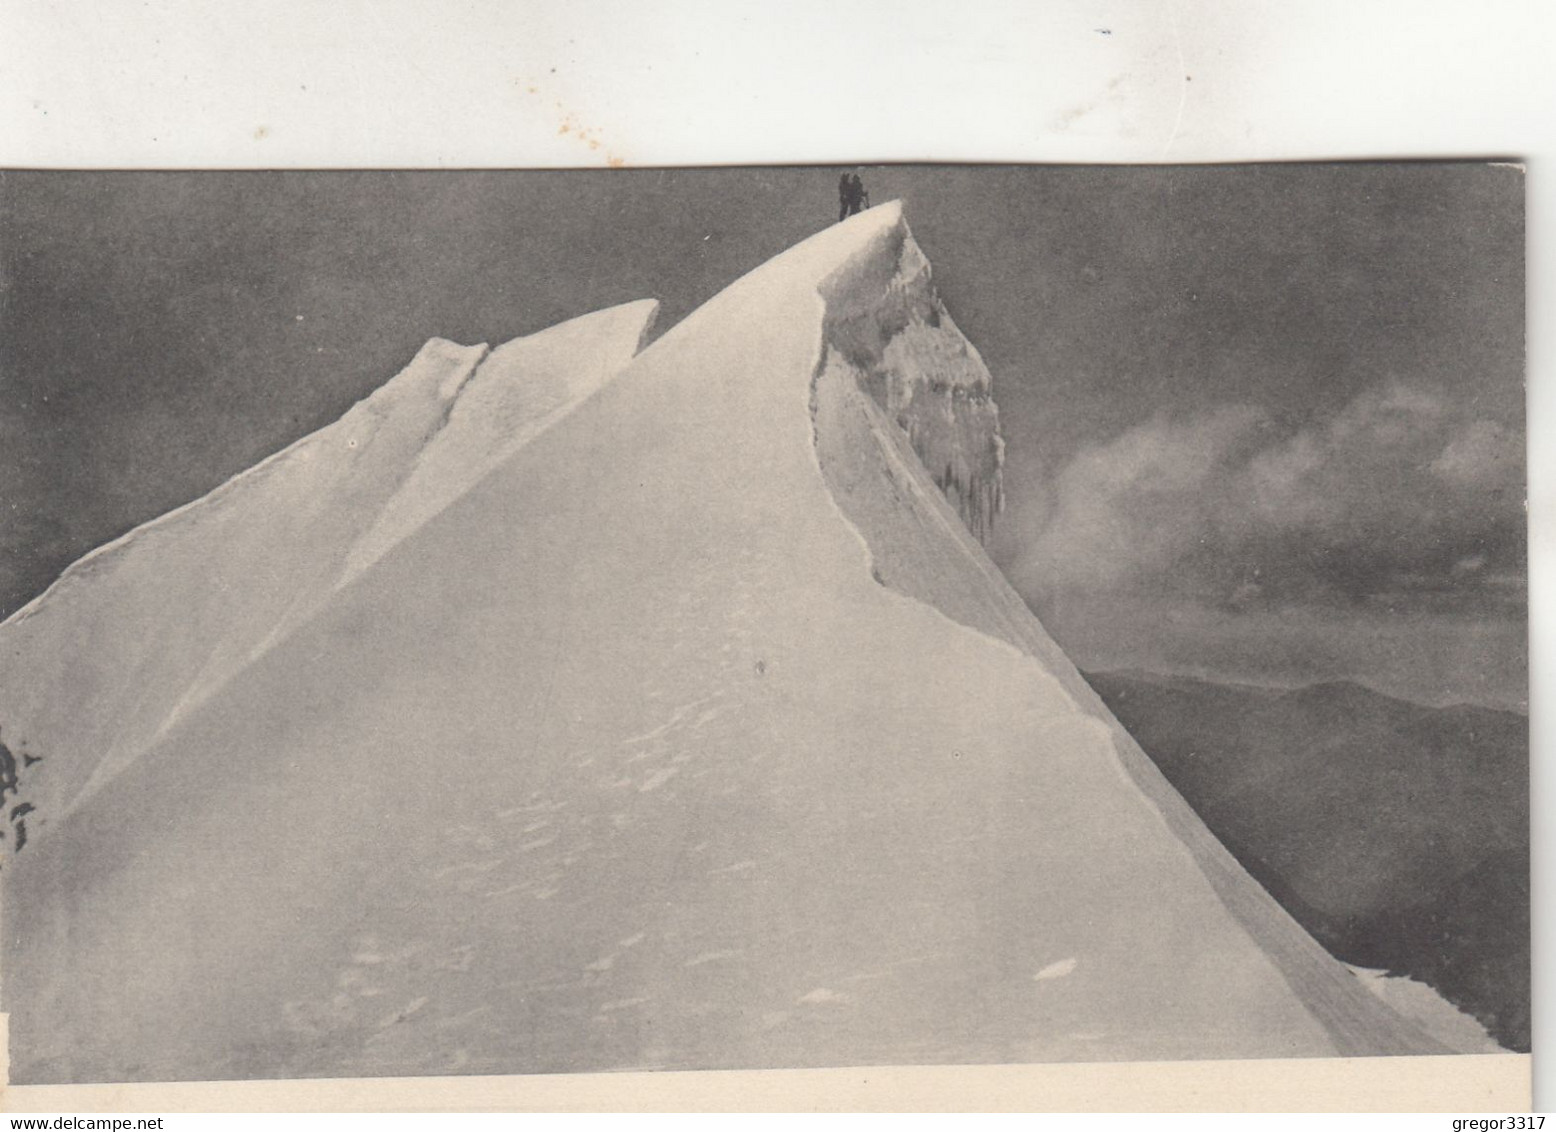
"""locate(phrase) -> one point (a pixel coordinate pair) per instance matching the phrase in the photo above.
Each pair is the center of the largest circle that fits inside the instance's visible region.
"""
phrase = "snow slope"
(518, 392)
(1419, 1002)
(144, 629)
(697, 734)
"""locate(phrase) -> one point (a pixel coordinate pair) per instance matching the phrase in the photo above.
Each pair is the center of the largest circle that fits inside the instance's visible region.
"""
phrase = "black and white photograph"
(480, 622)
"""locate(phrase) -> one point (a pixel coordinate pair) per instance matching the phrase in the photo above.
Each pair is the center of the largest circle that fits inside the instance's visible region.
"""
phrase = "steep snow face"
(518, 392)
(92, 669)
(626, 758)
(140, 632)
(886, 321)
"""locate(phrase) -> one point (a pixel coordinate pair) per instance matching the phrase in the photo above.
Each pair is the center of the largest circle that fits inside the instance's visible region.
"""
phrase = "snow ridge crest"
(886, 321)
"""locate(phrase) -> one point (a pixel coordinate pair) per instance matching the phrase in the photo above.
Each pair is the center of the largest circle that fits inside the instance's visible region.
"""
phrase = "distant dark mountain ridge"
(1398, 834)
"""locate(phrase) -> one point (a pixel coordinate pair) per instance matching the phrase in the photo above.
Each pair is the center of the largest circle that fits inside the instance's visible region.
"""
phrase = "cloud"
(1483, 454)
(1400, 499)
(1394, 458)
(1130, 506)
(1328, 473)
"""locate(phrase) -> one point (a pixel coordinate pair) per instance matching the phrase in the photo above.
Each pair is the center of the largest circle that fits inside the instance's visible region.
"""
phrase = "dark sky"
(1264, 422)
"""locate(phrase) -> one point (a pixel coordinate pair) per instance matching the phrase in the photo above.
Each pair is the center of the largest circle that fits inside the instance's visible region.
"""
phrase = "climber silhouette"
(851, 196)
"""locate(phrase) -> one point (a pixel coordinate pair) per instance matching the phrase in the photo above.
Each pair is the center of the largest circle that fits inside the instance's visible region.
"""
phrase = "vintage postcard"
(482, 624)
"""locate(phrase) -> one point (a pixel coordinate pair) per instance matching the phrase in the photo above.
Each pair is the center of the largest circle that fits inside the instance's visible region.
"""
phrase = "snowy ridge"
(516, 392)
(441, 364)
(163, 617)
(885, 318)
(92, 669)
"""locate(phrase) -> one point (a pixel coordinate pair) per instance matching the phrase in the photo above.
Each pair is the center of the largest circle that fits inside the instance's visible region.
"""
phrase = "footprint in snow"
(620, 1004)
(1056, 970)
(711, 957)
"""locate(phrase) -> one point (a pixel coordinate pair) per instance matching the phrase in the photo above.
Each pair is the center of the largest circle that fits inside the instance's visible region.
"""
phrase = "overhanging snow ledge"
(886, 321)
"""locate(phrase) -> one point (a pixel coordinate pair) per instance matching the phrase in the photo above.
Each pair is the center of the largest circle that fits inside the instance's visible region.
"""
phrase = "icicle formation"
(884, 317)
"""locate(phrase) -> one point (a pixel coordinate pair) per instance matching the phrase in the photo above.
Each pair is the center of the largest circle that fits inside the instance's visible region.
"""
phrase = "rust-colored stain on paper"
(569, 125)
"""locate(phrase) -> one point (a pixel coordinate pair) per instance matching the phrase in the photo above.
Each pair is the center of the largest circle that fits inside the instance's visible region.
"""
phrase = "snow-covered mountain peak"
(696, 731)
